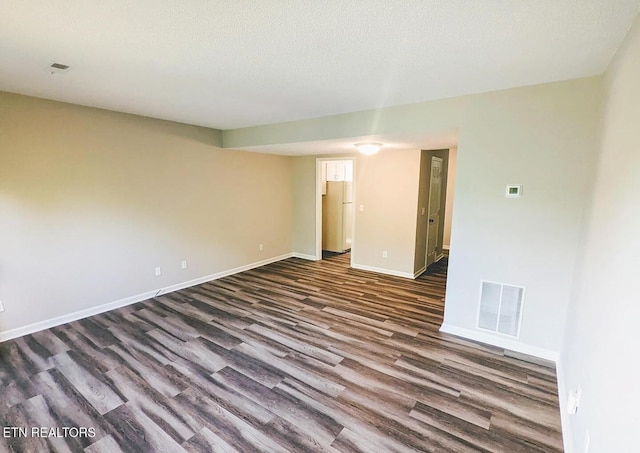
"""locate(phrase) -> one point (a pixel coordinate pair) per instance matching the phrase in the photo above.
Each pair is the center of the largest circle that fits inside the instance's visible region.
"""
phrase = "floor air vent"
(501, 308)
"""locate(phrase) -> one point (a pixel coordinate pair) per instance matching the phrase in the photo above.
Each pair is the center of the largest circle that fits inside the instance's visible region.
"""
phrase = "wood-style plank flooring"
(295, 356)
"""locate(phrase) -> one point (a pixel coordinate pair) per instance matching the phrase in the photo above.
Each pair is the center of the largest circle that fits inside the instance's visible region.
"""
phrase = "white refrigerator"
(337, 216)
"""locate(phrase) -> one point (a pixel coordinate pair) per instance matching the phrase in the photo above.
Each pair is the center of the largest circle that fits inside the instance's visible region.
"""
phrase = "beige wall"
(304, 205)
(602, 336)
(387, 187)
(543, 137)
(448, 211)
(92, 201)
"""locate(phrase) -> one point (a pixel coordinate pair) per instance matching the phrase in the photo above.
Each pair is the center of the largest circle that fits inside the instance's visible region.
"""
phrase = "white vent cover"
(501, 308)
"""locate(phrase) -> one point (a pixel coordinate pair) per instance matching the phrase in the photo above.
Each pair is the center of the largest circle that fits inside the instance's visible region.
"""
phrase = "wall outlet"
(158, 271)
(1, 307)
(261, 247)
(183, 265)
(385, 254)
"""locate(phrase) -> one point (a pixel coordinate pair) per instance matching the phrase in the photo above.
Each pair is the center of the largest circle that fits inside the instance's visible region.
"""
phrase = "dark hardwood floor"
(294, 356)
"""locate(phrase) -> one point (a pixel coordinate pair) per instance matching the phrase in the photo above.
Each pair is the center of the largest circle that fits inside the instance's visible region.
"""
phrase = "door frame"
(319, 161)
(443, 195)
(420, 246)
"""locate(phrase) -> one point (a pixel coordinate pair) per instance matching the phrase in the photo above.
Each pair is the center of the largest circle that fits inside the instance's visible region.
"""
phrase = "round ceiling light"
(368, 148)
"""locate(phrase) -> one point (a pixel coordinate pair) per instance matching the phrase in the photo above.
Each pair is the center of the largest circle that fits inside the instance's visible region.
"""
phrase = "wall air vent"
(501, 308)
(58, 67)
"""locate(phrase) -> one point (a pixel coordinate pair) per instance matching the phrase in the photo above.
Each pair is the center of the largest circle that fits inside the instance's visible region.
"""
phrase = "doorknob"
(430, 220)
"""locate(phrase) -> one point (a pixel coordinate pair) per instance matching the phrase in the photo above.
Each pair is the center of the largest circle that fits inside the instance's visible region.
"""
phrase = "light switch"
(361, 208)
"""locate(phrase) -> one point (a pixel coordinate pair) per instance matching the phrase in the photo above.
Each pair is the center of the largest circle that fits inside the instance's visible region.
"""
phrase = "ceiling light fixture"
(368, 148)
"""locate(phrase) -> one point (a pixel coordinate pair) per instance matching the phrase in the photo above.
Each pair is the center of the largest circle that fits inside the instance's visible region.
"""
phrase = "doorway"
(335, 201)
(435, 195)
(434, 246)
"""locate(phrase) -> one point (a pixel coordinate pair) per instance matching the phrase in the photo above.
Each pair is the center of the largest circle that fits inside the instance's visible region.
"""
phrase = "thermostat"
(514, 191)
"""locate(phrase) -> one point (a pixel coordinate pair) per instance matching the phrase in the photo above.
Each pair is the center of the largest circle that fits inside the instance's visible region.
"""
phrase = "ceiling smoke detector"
(57, 68)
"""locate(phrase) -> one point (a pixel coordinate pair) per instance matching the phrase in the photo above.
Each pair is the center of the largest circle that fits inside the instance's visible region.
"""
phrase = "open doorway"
(435, 206)
(437, 193)
(335, 212)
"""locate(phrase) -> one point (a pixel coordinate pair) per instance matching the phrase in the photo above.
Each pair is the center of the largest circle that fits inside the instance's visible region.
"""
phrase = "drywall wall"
(448, 211)
(387, 190)
(303, 216)
(543, 137)
(602, 336)
(91, 201)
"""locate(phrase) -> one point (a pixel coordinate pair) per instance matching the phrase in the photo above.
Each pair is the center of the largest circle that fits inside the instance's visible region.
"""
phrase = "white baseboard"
(81, 314)
(504, 343)
(417, 273)
(217, 275)
(76, 315)
(304, 256)
(534, 351)
(382, 271)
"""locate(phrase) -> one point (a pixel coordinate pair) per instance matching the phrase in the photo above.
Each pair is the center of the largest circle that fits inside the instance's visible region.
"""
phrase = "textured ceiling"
(235, 63)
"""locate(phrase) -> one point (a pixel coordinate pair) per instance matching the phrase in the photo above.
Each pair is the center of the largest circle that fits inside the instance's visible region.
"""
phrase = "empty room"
(298, 226)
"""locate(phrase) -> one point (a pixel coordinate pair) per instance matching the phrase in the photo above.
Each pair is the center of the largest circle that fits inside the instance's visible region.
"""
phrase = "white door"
(435, 194)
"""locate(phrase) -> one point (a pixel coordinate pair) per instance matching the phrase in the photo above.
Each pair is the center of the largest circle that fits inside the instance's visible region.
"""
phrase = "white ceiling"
(236, 63)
